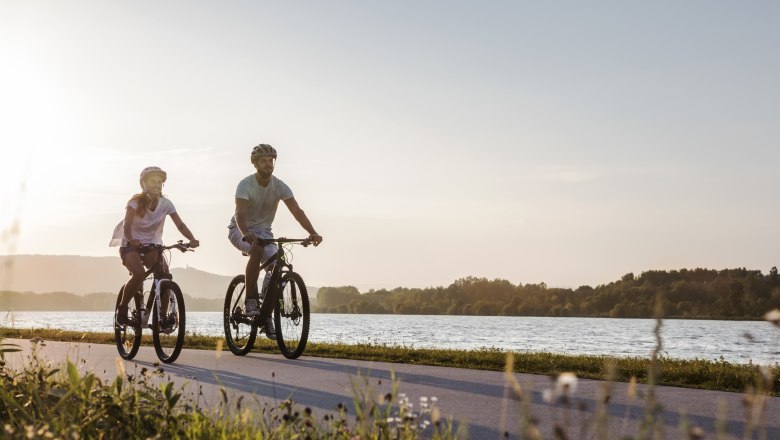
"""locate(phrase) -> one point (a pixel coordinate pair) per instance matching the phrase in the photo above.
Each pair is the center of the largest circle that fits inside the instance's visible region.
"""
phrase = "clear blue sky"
(564, 142)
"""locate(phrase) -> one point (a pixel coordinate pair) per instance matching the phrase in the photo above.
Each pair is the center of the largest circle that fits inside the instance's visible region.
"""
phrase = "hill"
(85, 275)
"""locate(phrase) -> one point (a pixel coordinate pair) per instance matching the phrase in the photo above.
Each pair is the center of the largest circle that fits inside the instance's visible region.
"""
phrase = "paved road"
(471, 397)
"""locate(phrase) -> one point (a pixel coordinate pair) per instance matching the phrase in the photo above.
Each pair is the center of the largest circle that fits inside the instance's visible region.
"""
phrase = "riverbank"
(699, 374)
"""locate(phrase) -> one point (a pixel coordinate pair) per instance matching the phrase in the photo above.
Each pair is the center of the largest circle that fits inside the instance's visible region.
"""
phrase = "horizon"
(426, 142)
(365, 289)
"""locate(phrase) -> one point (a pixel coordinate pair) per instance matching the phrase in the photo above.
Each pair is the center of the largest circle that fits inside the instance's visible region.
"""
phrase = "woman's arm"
(185, 231)
(128, 228)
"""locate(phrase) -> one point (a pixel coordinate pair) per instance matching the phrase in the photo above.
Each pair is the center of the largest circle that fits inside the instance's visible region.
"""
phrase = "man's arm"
(243, 226)
(300, 216)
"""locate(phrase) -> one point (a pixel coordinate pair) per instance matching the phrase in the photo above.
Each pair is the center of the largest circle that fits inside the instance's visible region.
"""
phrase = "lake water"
(734, 341)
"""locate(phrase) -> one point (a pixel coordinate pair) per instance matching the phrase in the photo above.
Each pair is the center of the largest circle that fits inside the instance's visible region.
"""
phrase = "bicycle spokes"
(240, 330)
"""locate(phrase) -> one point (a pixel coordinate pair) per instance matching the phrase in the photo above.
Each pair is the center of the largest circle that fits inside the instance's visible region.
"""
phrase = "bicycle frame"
(281, 266)
(155, 294)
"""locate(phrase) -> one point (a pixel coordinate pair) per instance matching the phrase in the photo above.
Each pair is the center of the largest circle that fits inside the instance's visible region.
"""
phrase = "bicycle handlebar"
(266, 241)
(180, 245)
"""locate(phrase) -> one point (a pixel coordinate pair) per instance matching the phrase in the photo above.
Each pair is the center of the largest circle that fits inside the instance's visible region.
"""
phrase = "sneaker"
(252, 308)
(170, 321)
(121, 316)
(270, 332)
(168, 324)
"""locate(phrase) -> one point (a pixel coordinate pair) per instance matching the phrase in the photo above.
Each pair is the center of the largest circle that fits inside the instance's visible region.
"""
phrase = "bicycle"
(166, 302)
(285, 296)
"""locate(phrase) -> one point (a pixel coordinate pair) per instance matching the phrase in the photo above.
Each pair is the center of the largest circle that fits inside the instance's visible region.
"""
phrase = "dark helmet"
(262, 150)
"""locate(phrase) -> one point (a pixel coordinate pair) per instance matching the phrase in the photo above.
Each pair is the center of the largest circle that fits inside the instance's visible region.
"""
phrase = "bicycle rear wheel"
(168, 324)
(291, 316)
(240, 330)
(128, 337)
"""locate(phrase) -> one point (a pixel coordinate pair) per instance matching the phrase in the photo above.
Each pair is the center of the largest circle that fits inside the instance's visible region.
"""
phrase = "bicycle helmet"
(149, 171)
(262, 150)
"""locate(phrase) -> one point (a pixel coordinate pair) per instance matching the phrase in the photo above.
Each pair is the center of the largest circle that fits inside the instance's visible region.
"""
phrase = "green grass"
(701, 374)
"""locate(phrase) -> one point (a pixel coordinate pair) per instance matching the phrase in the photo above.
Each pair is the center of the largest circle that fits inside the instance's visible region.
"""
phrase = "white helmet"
(149, 171)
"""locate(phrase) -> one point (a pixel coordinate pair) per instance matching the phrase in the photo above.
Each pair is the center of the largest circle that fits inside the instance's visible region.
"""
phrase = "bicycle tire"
(168, 330)
(291, 316)
(240, 330)
(128, 337)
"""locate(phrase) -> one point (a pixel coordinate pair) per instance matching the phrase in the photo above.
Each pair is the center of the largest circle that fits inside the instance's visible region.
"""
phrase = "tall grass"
(40, 400)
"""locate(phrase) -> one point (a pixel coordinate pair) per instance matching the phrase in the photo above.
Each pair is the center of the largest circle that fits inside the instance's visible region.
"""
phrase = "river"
(733, 341)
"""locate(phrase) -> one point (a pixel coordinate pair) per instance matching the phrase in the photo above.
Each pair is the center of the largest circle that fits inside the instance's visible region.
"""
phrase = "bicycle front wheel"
(168, 322)
(240, 330)
(291, 316)
(128, 337)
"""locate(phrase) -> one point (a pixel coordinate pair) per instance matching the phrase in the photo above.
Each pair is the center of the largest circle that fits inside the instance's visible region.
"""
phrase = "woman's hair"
(142, 201)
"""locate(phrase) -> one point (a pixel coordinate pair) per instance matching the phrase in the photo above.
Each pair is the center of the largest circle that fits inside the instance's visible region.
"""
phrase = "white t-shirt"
(263, 201)
(147, 229)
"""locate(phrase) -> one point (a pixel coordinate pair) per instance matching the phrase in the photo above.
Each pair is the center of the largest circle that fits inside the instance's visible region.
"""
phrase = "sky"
(560, 142)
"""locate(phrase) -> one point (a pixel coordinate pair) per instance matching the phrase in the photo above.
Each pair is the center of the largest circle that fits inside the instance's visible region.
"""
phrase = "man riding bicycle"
(257, 198)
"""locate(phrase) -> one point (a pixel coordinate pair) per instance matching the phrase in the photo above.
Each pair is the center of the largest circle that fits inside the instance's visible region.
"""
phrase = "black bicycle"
(166, 303)
(286, 297)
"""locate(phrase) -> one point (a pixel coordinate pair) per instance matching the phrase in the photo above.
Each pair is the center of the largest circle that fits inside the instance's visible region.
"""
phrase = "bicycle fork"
(157, 304)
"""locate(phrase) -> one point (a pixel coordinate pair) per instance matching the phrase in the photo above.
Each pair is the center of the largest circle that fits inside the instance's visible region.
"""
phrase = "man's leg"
(253, 271)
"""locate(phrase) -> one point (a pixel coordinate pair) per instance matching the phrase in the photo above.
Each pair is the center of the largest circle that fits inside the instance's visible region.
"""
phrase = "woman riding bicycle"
(143, 227)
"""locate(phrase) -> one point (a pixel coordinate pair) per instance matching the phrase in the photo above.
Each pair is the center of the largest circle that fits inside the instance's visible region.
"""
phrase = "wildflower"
(566, 385)
(564, 388)
(218, 353)
(773, 316)
(695, 433)
(631, 392)
(766, 374)
(435, 415)
(120, 366)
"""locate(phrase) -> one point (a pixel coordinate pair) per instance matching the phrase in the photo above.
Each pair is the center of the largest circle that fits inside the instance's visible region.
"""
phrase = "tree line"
(695, 293)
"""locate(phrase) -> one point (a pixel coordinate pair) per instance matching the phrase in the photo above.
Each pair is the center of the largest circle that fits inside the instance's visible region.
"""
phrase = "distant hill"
(85, 275)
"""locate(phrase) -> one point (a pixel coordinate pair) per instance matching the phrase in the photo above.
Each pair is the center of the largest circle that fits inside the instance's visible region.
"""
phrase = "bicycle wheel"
(291, 316)
(240, 330)
(168, 323)
(128, 337)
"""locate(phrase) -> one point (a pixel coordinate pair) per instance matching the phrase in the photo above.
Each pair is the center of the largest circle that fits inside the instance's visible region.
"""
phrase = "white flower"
(566, 385)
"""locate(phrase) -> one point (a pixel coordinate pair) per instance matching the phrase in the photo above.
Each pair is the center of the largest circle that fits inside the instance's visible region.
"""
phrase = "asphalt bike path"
(483, 401)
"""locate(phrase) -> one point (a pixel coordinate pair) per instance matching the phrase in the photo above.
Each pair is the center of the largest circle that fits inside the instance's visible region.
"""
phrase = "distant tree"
(336, 296)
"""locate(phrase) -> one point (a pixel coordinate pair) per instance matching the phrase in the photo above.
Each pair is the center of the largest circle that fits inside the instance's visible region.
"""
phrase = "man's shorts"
(235, 237)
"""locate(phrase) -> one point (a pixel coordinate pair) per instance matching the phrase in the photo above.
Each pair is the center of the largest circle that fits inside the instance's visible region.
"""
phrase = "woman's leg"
(132, 262)
(150, 260)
